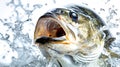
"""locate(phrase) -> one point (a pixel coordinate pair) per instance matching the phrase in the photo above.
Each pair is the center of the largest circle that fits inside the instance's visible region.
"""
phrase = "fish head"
(73, 31)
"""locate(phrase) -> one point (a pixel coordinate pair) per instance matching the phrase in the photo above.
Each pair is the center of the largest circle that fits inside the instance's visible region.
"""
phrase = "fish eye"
(73, 16)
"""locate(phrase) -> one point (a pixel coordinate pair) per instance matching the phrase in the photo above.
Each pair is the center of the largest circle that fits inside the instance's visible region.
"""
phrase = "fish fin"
(113, 54)
(107, 53)
(108, 42)
(108, 38)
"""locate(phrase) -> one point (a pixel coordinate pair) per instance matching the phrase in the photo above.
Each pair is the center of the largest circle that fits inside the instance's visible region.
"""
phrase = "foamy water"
(19, 17)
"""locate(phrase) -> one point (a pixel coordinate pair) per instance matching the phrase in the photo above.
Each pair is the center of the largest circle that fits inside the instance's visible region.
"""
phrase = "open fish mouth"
(73, 31)
(50, 28)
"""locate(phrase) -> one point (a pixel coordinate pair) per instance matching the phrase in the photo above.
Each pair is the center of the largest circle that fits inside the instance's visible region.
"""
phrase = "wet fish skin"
(83, 40)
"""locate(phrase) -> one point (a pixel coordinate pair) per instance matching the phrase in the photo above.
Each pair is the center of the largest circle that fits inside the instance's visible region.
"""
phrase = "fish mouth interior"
(52, 27)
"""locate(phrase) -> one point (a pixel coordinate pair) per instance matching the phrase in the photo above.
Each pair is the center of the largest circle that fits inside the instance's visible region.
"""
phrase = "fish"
(70, 36)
